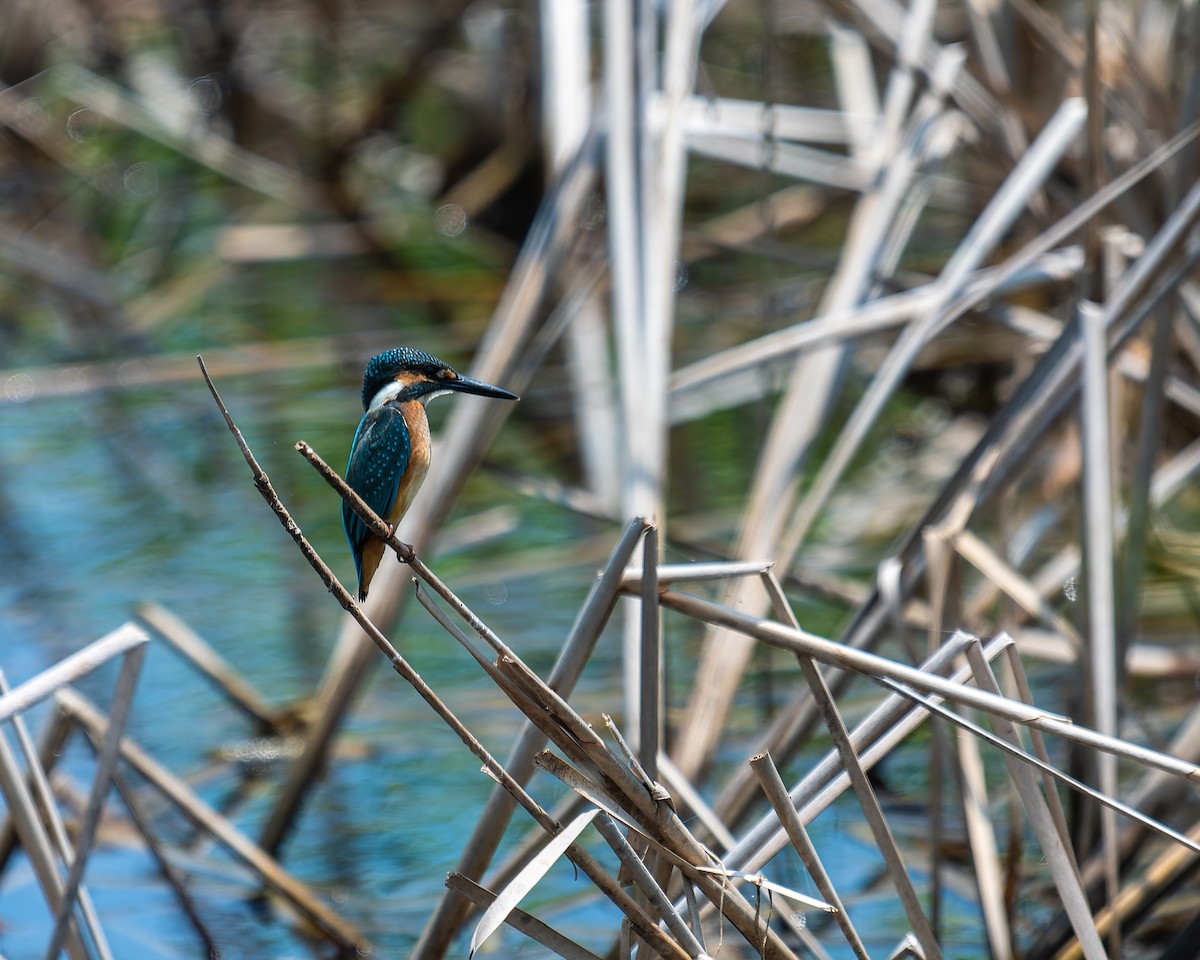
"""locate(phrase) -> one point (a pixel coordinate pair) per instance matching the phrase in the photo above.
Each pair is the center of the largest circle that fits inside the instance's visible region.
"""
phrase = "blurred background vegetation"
(289, 187)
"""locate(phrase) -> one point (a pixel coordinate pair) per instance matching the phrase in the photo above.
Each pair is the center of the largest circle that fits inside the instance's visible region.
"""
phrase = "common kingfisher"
(390, 453)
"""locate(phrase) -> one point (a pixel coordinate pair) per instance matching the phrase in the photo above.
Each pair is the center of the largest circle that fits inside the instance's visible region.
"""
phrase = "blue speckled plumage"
(383, 367)
(378, 459)
(390, 453)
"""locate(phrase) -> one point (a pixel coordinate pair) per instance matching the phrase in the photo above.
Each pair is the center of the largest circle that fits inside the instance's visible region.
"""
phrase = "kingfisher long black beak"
(479, 388)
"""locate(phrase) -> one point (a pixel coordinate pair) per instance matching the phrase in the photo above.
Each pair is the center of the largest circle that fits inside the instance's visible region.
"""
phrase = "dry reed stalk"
(517, 670)
(985, 853)
(885, 843)
(796, 423)
(1149, 440)
(891, 721)
(1040, 397)
(187, 802)
(1016, 671)
(581, 743)
(991, 225)
(1012, 584)
(687, 797)
(873, 316)
(1168, 481)
(1152, 793)
(943, 576)
(651, 709)
(1098, 512)
(39, 787)
(126, 641)
(34, 841)
(872, 665)
(772, 785)
(659, 902)
(106, 759)
(1055, 846)
(567, 96)
(698, 865)
(50, 746)
(23, 696)
(1160, 877)
(174, 878)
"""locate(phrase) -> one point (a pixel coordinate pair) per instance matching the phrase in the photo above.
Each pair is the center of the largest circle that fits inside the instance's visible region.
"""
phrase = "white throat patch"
(386, 393)
(436, 393)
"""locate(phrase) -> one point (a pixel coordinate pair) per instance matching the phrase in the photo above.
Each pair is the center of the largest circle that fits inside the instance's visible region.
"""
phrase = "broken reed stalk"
(93, 723)
(776, 793)
(50, 746)
(39, 786)
(869, 664)
(28, 828)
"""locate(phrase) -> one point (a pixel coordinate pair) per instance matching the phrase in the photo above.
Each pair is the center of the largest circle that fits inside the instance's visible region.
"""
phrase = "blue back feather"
(378, 458)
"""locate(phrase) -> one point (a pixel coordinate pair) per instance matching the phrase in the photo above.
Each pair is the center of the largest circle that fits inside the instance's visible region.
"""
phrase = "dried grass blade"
(527, 879)
(518, 919)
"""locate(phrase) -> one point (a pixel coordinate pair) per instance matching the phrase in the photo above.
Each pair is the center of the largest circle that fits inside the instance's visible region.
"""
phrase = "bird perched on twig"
(390, 453)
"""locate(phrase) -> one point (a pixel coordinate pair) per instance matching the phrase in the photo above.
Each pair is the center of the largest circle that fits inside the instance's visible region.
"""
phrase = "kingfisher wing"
(378, 459)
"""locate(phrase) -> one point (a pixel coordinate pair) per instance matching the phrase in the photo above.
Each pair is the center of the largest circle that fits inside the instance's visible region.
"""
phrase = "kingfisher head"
(403, 373)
